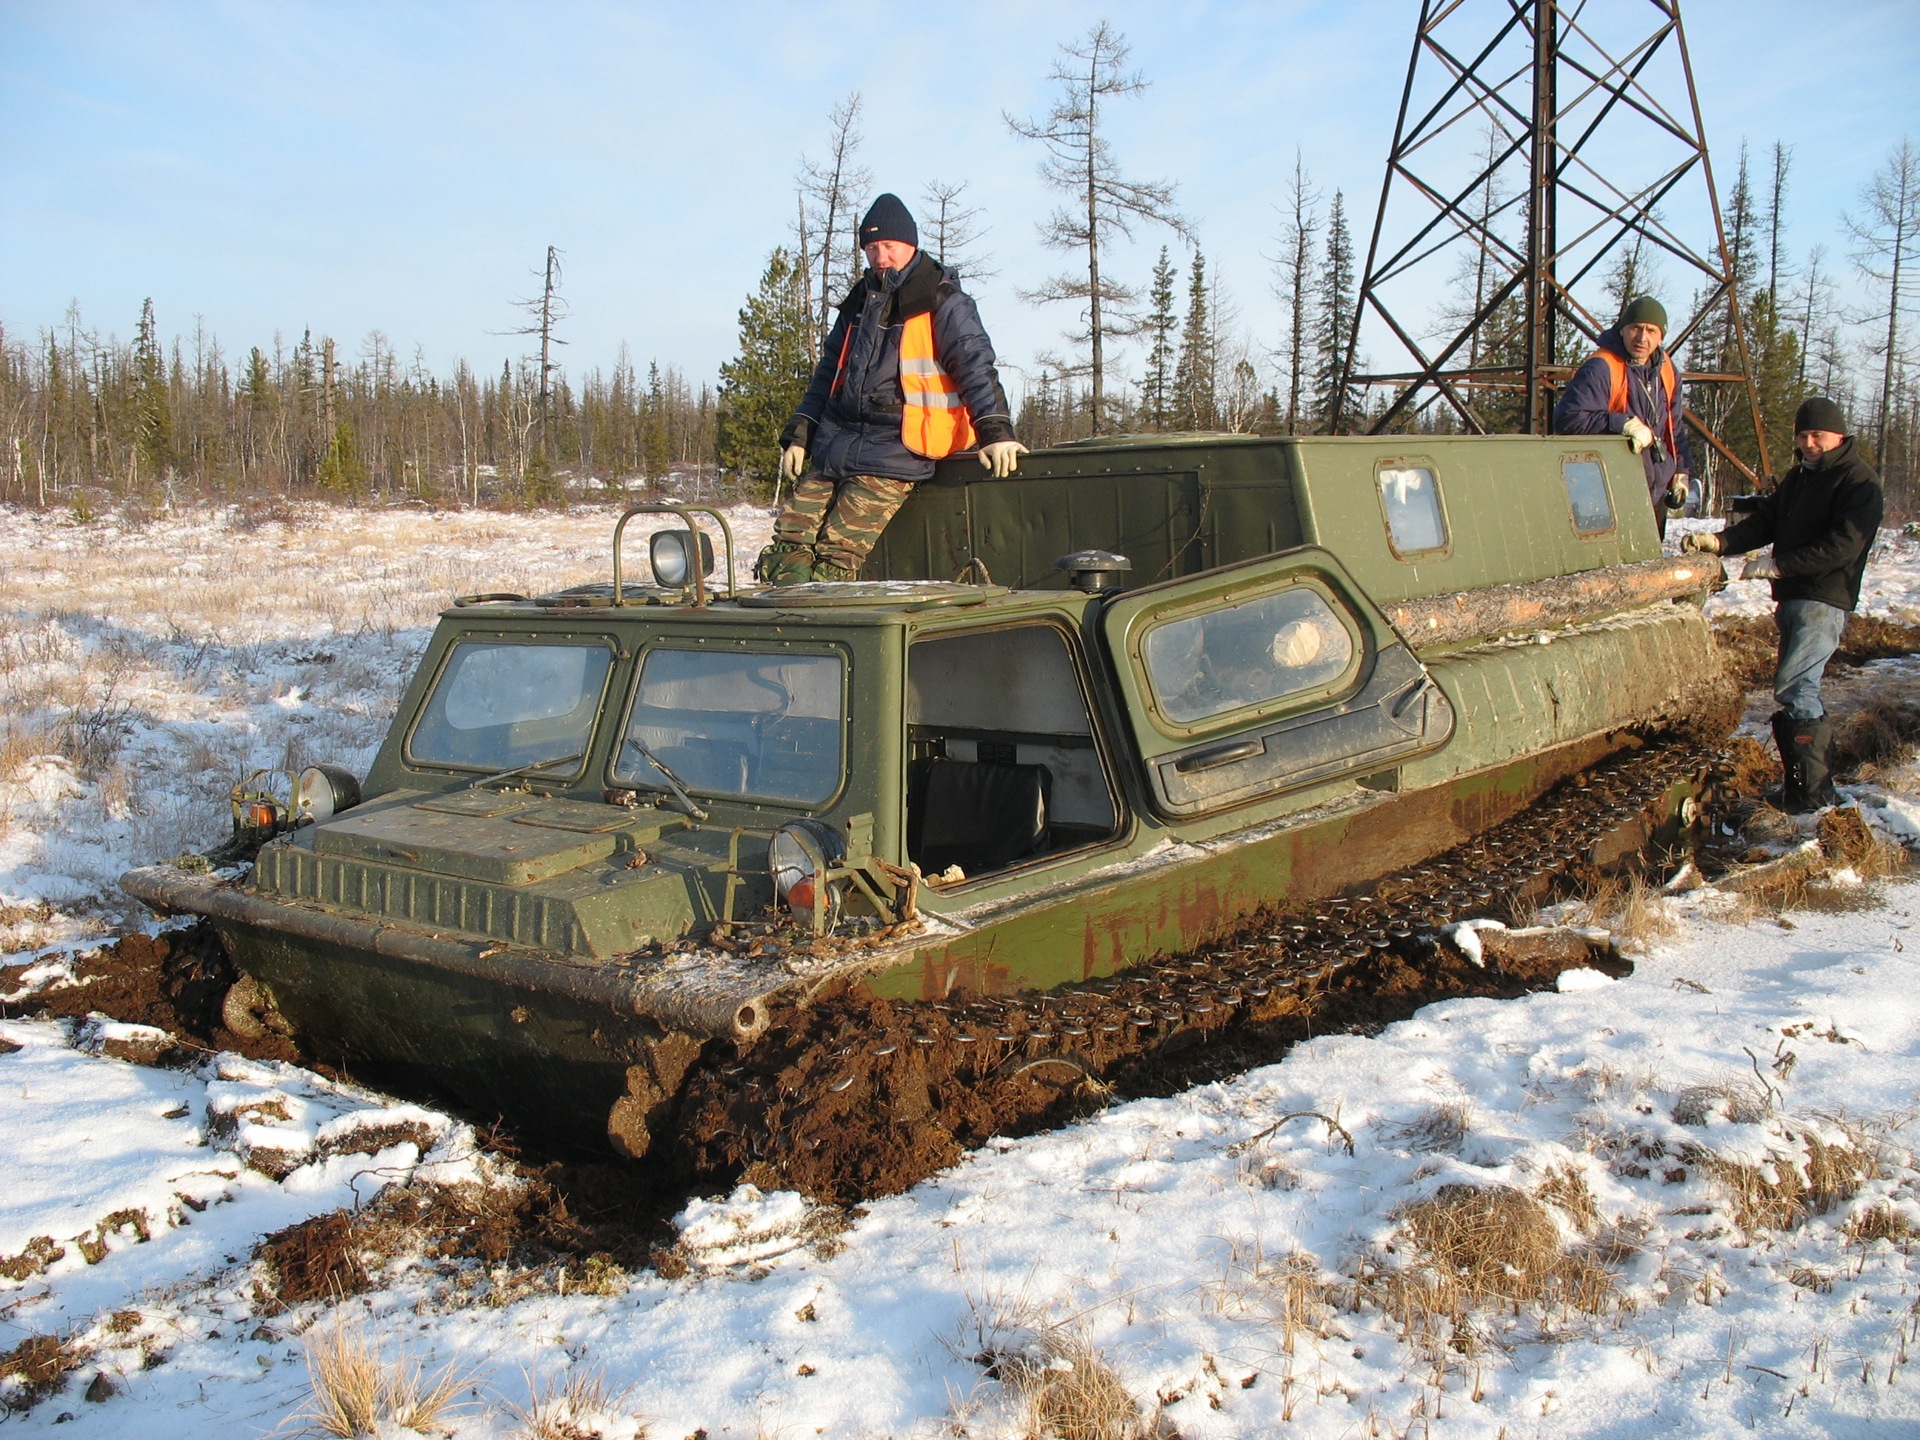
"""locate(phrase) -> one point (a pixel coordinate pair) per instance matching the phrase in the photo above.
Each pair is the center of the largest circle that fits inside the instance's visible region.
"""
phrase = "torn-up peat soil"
(177, 981)
(1749, 644)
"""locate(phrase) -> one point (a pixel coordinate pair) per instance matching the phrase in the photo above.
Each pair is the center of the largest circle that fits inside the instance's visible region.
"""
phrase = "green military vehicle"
(1064, 723)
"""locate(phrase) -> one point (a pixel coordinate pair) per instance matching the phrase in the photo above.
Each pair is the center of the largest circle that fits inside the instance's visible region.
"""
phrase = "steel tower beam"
(1542, 149)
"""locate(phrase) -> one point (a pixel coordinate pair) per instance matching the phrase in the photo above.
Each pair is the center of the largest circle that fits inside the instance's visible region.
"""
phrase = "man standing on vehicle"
(1821, 522)
(1629, 387)
(906, 378)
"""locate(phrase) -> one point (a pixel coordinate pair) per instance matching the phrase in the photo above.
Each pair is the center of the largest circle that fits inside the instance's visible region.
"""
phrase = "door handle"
(1219, 755)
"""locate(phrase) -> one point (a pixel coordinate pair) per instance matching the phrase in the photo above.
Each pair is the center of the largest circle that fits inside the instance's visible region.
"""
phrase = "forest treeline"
(86, 417)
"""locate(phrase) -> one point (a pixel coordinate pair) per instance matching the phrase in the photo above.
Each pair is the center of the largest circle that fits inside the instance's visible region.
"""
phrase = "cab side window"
(1255, 653)
(1410, 495)
(1587, 493)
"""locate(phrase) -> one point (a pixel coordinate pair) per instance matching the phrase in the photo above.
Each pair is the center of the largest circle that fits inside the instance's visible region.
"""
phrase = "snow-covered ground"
(1244, 1259)
(145, 668)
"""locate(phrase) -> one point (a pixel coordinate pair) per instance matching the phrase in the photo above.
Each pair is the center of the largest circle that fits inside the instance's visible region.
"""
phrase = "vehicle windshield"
(500, 704)
(736, 723)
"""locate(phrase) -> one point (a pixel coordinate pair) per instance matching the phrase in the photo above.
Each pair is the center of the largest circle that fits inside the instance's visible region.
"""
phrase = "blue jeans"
(1809, 634)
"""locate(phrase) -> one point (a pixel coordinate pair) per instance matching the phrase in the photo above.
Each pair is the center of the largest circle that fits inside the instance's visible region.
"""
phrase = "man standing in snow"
(1629, 387)
(906, 377)
(1821, 522)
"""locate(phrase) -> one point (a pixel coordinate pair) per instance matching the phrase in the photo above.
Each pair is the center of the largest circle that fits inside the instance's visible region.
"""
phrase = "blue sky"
(402, 167)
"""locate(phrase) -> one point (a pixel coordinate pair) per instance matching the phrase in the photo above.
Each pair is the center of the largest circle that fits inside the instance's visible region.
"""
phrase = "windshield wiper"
(528, 769)
(694, 812)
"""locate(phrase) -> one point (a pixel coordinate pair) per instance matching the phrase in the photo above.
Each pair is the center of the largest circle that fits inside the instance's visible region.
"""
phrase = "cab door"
(1264, 677)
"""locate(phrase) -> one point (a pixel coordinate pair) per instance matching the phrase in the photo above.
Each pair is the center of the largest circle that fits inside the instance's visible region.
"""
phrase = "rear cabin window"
(502, 704)
(1410, 494)
(1253, 653)
(740, 724)
(1587, 494)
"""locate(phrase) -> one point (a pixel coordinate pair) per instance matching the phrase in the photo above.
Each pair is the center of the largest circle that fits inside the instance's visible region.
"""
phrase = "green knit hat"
(1645, 311)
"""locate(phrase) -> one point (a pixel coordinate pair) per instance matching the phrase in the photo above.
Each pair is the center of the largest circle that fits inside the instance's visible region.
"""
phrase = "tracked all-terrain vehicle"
(623, 838)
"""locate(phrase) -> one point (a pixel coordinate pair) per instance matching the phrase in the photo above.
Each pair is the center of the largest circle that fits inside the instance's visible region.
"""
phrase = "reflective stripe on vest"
(1619, 403)
(934, 422)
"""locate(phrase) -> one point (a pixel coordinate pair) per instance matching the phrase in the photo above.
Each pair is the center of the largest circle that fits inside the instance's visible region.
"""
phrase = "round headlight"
(323, 792)
(673, 552)
(798, 854)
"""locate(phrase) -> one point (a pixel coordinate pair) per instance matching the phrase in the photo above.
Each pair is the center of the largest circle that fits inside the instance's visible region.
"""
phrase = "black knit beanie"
(1645, 311)
(1819, 413)
(889, 220)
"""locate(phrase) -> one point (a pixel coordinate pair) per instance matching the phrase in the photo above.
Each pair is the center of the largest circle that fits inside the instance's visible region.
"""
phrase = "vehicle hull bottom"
(548, 1064)
(564, 1068)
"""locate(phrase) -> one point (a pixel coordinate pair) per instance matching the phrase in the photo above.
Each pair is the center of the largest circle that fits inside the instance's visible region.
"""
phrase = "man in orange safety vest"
(1630, 387)
(907, 377)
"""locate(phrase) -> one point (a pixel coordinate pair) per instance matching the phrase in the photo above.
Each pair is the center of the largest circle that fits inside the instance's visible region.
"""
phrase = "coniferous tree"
(1156, 392)
(152, 406)
(763, 384)
(1334, 303)
(1193, 389)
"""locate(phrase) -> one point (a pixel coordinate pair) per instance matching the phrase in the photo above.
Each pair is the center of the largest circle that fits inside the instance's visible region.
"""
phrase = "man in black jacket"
(1821, 522)
(906, 377)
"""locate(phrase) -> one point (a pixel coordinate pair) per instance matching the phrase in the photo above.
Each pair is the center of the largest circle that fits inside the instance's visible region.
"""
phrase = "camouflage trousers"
(839, 519)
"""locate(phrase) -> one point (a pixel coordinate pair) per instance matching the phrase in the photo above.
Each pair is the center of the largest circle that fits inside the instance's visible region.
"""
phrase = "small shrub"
(1056, 1384)
(356, 1392)
(575, 1407)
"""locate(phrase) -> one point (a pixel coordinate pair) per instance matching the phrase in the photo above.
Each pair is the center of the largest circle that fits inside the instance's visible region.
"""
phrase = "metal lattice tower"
(1545, 151)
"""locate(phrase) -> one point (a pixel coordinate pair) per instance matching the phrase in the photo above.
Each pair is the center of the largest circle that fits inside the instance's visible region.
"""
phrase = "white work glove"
(1638, 434)
(1761, 567)
(1002, 457)
(793, 462)
(1679, 491)
(1705, 541)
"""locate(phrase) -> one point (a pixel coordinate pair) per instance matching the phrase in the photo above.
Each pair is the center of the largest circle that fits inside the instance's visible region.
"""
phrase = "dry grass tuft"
(1882, 1222)
(357, 1392)
(1627, 906)
(576, 1406)
(1566, 1189)
(1440, 1126)
(1735, 1101)
(1845, 835)
(1879, 734)
(1806, 1173)
(34, 1369)
(1492, 1244)
(1057, 1385)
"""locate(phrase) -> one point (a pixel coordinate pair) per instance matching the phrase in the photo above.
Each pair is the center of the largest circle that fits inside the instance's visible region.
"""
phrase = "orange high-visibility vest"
(1618, 403)
(934, 420)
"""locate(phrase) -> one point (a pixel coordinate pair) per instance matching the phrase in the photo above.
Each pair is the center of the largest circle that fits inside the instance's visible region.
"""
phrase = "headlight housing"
(673, 556)
(798, 856)
(322, 792)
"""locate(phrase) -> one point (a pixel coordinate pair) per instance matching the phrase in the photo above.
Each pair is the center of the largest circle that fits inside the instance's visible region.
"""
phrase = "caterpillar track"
(853, 1097)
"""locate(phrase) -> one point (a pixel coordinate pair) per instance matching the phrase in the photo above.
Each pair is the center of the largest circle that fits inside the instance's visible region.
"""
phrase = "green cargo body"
(1330, 659)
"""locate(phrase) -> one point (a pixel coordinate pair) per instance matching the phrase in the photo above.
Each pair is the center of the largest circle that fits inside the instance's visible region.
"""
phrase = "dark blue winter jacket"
(1582, 410)
(856, 429)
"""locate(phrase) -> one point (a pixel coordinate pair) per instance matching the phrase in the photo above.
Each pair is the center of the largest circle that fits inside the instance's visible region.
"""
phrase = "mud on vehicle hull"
(601, 1055)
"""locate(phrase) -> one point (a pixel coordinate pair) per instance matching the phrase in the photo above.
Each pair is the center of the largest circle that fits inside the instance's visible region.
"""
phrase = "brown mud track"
(852, 1097)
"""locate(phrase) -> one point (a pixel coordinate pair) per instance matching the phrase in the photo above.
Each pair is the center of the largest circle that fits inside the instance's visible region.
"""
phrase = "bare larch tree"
(1080, 164)
(832, 190)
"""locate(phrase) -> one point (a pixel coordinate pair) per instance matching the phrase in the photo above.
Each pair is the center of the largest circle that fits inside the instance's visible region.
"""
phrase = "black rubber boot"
(1816, 761)
(1792, 796)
